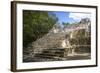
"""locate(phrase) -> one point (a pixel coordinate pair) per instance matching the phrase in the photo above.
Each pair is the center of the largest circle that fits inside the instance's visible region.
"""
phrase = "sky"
(70, 17)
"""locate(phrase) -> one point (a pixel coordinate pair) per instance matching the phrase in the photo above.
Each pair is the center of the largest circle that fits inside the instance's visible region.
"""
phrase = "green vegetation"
(36, 24)
(65, 24)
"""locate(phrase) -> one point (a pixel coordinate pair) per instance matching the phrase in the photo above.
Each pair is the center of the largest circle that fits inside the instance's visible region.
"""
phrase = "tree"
(65, 24)
(36, 24)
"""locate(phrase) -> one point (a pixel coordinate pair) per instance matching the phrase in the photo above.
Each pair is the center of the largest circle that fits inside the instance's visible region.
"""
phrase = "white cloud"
(79, 16)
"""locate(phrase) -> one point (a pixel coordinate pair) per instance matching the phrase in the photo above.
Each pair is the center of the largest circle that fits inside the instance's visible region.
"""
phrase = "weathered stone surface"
(67, 38)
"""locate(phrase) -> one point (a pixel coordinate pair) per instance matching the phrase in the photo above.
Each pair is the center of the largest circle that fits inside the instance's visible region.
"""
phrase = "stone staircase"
(50, 55)
(49, 47)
